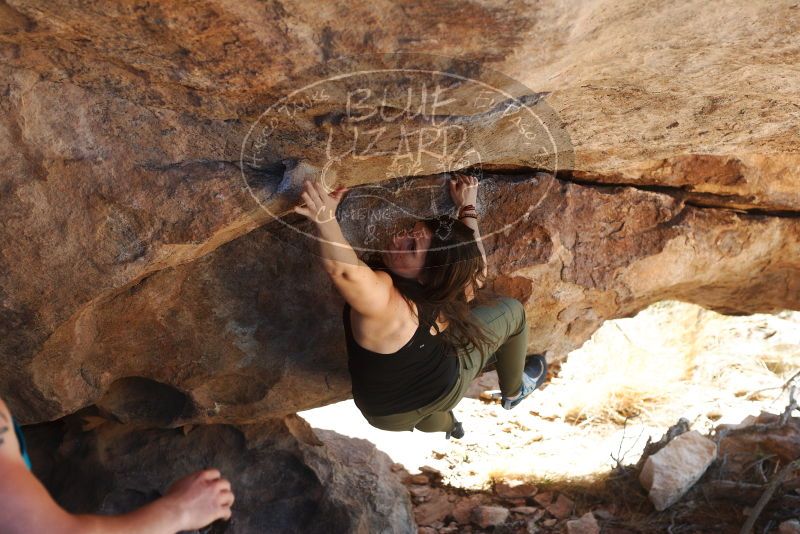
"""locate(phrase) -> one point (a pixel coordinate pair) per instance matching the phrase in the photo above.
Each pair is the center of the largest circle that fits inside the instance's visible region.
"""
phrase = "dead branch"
(767, 495)
(620, 455)
(650, 448)
(762, 427)
(787, 413)
(782, 388)
(729, 490)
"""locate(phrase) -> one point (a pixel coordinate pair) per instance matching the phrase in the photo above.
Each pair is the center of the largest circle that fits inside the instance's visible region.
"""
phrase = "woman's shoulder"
(400, 306)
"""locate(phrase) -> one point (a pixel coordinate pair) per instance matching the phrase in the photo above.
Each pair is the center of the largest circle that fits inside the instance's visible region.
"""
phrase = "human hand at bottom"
(200, 499)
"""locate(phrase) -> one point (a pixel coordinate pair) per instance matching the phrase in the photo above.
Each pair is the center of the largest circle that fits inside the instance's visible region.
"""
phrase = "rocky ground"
(616, 503)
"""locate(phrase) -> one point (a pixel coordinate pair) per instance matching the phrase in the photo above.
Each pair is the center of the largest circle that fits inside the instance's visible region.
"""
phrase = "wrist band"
(468, 207)
(469, 215)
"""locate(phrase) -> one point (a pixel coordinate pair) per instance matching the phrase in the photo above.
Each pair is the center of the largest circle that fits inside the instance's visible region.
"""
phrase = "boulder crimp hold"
(669, 473)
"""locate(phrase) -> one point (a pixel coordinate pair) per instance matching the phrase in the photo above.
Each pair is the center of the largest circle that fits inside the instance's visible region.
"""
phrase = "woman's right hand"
(463, 190)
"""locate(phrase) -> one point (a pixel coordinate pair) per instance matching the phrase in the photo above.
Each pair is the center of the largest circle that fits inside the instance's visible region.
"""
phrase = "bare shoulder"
(366, 290)
(397, 310)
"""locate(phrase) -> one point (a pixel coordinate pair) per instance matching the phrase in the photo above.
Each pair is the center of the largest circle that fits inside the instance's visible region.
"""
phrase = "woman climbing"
(418, 331)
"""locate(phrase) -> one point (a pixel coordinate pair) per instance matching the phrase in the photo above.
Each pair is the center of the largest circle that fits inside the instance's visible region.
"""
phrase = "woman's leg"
(437, 422)
(506, 321)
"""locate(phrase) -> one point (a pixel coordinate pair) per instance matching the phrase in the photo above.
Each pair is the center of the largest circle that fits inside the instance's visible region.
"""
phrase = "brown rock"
(427, 530)
(432, 471)
(587, 524)
(419, 479)
(489, 516)
(603, 514)
(419, 493)
(462, 511)
(525, 510)
(561, 508)
(545, 498)
(514, 490)
(739, 447)
(434, 509)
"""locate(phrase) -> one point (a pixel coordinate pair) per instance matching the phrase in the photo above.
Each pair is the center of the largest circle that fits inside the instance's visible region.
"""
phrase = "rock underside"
(151, 270)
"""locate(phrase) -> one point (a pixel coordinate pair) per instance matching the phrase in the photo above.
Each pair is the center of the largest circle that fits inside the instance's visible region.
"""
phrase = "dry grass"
(673, 354)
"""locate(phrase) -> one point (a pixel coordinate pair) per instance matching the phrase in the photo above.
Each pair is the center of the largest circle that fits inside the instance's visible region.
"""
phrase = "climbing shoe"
(457, 431)
(532, 377)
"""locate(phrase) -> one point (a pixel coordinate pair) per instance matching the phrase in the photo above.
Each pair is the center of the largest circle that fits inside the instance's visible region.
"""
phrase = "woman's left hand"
(320, 206)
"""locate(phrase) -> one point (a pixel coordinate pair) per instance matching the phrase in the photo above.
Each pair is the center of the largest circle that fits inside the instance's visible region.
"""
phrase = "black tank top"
(423, 370)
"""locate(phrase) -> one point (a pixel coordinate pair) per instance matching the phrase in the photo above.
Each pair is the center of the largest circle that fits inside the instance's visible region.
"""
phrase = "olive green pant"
(505, 319)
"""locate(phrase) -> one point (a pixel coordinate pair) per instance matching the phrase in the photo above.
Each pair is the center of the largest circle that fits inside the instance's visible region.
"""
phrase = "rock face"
(150, 266)
(668, 474)
(132, 250)
(234, 323)
(287, 477)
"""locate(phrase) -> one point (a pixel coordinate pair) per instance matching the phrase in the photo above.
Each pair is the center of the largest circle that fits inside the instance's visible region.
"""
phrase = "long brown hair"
(452, 262)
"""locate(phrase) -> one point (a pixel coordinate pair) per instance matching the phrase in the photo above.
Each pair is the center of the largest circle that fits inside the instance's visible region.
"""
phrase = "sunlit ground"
(632, 380)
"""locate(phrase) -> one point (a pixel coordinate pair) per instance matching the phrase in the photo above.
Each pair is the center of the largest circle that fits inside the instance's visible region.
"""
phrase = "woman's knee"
(436, 422)
(517, 310)
(513, 304)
